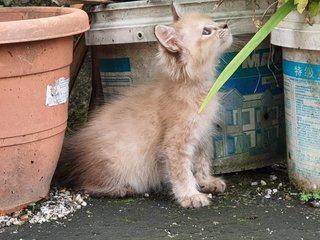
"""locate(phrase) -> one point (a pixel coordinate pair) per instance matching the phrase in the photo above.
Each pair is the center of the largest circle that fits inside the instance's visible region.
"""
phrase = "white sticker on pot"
(58, 92)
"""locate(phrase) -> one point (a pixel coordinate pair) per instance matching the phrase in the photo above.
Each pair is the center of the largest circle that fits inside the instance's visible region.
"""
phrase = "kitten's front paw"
(194, 201)
(214, 185)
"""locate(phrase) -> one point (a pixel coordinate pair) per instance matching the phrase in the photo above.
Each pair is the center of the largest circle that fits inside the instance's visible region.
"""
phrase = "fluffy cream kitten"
(153, 134)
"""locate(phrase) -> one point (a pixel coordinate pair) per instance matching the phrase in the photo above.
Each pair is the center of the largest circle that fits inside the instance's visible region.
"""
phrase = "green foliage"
(314, 8)
(30, 214)
(301, 5)
(311, 6)
(305, 197)
(316, 196)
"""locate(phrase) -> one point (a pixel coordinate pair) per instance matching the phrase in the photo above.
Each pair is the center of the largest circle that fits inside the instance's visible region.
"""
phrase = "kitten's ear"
(176, 11)
(168, 37)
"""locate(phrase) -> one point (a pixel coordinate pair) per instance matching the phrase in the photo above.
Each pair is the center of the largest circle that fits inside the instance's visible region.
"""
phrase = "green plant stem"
(274, 20)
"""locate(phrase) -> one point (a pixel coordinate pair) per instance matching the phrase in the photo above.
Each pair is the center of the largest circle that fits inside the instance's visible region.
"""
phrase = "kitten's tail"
(62, 177)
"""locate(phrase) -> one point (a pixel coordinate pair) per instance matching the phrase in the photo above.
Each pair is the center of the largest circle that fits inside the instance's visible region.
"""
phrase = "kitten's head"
(194, 42)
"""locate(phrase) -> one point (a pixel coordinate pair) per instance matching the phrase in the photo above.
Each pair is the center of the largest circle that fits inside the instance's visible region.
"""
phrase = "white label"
(302, 100)
(58, 92)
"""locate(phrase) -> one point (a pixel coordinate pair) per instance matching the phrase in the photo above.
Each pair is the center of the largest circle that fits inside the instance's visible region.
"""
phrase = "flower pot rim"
(45, 23)
(295, 32)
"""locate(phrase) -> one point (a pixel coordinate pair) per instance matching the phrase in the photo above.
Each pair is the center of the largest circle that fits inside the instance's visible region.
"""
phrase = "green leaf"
(314, 8)
(305, 197)
(316, 195)
(30, 214)
(280, 14)
(301, 5)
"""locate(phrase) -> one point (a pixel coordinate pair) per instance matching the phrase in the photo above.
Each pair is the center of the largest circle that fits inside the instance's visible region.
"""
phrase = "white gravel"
(59, 205)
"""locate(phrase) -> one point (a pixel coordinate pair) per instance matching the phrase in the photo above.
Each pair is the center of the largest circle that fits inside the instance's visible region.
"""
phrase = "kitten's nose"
(224, 25)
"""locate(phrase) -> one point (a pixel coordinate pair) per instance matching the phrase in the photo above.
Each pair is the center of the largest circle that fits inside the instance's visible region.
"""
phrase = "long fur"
(153, 134)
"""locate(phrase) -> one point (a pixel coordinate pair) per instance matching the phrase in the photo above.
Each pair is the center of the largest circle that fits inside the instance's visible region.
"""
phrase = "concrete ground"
(258, 204)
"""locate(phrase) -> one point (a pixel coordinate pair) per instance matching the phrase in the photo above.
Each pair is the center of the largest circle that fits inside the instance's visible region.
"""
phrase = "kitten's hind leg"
(202, 171)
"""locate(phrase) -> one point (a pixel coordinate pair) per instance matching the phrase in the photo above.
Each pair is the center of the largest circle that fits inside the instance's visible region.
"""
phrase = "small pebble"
(288, 197)
(254, 183)
(273, 177)
(17, 222)
(314, 203)
(146, 195)
(263, 183)
(24, 217)
(268, 193)
(79, 198)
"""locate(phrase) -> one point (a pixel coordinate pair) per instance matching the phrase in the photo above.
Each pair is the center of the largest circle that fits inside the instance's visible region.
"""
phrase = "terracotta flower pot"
(36, 48)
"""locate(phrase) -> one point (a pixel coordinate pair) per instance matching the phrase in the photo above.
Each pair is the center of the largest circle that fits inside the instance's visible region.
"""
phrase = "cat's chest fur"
(178, 112)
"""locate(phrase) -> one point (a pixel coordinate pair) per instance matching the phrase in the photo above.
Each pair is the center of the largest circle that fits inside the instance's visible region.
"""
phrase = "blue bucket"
(252, 129)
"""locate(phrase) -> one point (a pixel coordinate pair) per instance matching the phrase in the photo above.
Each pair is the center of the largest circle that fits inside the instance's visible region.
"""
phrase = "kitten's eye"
(206, 31)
